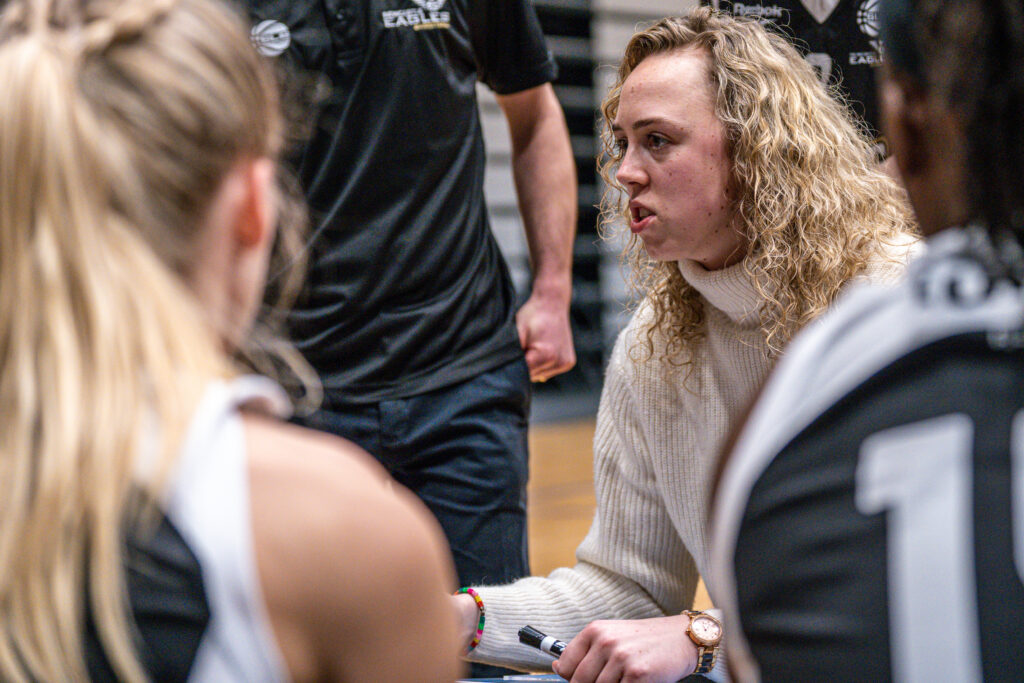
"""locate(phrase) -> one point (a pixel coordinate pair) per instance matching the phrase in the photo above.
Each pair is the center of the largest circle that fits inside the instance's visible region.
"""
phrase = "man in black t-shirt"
(838, 37)
(869, 524)
(409, 314)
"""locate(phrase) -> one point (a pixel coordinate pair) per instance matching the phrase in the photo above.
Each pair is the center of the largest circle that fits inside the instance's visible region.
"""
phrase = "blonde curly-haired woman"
(752, 199)
(158, 520)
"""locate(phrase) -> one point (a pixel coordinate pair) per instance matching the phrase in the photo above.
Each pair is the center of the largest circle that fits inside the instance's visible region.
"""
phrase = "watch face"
(706, 629)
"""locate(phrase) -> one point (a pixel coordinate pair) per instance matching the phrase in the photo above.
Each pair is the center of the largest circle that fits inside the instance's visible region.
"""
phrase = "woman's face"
(675, 165)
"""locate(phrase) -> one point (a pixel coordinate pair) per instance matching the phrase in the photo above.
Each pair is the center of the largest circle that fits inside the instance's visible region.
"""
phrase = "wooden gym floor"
(561, 495)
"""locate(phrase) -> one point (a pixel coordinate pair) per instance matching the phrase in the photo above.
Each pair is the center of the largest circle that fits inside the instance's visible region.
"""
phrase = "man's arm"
(545, 178)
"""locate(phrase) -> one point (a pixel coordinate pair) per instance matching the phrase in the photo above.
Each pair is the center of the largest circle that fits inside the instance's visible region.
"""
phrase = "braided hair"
(968, 53)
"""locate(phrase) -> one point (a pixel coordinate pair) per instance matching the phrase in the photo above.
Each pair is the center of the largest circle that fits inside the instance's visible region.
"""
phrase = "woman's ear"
(231, 255)
(254, 219)
(904, 123)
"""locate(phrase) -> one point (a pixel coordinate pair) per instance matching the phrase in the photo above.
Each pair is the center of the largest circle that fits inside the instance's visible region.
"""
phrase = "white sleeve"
(631, 565)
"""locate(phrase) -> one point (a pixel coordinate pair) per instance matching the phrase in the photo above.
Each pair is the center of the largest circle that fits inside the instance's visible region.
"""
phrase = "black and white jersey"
(838, 37)
(168, 603)
(869, 525)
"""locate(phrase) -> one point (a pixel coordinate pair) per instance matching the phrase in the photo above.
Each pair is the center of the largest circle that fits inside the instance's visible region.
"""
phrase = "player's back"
(880, 542)
(874, 507)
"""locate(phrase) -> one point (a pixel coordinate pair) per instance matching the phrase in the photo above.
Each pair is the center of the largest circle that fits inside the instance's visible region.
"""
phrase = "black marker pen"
(528, 635)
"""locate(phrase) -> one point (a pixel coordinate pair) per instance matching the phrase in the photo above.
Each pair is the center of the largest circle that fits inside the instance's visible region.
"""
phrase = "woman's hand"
(649, 650)
(468, 618)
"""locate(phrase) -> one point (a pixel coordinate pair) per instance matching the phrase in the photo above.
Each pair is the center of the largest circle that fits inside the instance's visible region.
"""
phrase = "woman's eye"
(656, 141)
(619, 147)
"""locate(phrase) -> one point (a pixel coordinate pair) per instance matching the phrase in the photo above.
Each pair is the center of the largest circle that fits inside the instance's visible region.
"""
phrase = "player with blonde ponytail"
(155, 523)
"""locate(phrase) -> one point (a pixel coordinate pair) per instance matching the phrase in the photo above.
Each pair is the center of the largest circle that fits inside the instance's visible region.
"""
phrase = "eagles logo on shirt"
(427, 15)
(430, 5)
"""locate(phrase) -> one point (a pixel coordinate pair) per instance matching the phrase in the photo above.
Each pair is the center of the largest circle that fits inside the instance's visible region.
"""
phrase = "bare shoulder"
(281, 448)
(318, 485)
(332, 536)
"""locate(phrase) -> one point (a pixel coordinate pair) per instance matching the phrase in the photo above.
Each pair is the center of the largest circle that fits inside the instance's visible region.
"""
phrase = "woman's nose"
(630, 172)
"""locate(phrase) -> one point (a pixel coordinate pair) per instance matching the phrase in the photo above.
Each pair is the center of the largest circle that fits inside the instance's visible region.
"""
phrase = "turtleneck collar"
(727, 289)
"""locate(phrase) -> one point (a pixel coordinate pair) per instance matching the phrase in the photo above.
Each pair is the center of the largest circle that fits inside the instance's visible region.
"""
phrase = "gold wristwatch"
(706, 633)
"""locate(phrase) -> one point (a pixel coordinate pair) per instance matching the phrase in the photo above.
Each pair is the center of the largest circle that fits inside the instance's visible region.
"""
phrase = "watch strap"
(706, 657)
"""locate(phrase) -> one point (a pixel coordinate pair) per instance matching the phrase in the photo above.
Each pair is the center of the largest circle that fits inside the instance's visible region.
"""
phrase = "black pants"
(463, 450)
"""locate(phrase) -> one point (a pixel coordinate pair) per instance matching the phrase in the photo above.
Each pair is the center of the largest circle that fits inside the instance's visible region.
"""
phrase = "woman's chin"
(660, 254)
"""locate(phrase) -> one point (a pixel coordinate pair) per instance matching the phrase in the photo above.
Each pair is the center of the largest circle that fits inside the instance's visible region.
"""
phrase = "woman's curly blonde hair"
(815, 207)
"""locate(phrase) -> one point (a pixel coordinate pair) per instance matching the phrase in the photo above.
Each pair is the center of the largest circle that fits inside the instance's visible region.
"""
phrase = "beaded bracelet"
(480, 624)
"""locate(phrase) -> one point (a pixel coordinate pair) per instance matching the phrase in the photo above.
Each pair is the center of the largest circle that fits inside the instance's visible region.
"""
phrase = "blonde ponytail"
(117, 121)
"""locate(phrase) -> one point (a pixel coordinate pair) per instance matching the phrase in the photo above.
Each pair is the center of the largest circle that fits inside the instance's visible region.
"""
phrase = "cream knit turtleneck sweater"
(659, 432)
(658, 435)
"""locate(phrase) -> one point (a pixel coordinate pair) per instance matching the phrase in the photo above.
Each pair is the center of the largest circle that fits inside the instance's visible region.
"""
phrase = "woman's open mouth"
(641, 217)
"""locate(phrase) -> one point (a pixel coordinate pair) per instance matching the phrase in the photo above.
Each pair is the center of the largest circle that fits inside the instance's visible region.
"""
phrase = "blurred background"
(587, 38)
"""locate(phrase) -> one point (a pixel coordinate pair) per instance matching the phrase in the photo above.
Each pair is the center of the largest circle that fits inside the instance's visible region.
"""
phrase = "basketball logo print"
(867, 18)
(270, 38)
(430, 5)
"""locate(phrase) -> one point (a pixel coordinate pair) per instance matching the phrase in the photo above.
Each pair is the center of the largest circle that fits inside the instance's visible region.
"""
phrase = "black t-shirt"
(875, 501)
(407, 291)
(838, 37)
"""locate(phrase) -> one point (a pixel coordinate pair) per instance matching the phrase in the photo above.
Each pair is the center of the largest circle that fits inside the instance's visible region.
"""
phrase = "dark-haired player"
(869, 525)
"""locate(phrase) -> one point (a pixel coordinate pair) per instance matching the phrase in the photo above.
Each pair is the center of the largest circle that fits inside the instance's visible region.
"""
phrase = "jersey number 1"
(921, 474)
